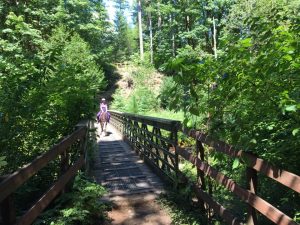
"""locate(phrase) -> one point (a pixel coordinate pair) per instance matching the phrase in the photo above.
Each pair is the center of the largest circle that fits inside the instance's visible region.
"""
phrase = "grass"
(166, 114)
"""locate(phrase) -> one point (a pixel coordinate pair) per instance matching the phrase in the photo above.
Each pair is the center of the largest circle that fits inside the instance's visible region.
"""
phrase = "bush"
(80, 206)
(171, 94)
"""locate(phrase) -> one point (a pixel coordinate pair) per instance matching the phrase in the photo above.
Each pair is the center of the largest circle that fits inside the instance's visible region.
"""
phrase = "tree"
(48, 72)
(140, 29)
(124, 43)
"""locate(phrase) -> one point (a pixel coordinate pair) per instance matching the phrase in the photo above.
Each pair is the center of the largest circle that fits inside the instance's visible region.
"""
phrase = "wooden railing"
(147, 135)
(144, 134)
(13, 181)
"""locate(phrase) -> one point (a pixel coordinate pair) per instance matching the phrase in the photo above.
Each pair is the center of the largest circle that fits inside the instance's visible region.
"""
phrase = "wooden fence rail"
(13, 181)
(156, 142)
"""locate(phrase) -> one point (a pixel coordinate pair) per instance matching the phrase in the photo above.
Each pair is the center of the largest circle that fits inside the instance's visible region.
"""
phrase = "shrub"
(80, 206)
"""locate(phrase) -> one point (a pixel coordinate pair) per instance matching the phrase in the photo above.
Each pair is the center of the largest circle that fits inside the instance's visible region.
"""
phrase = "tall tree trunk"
(140, 29)
(151, 37)
(159, 16)
(173, 35)
(215, 38)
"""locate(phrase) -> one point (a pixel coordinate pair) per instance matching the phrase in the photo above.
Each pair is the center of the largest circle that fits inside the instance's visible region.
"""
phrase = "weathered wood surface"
(120, 170)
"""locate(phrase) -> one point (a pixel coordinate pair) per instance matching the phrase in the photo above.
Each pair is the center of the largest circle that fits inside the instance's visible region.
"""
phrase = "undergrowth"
(180, 209)
(183, 210)
(79, 206)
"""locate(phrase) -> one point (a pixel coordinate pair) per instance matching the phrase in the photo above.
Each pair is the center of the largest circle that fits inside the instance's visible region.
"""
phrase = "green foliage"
(189, 170)
(181, 210)
(171, 94)
(141, 97)
(48, 74)
(119, 103)
(132, 106)
(2, 163)
(166, 114)
(124, 44)
(249, 96)
(81, 206)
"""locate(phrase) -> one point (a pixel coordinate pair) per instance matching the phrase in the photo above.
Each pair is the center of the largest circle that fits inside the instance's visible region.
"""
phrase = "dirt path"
(138, 210)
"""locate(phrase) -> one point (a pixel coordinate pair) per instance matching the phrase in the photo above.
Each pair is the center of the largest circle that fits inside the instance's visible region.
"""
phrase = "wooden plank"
(46, 199)
(122, 178)
(258, 203)
(11, 183)
(252, 186)
(282, 176)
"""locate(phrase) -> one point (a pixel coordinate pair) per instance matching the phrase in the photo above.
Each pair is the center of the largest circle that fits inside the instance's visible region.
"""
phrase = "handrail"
(15, 180)
(149, 145)
(152, 121)
(284, 177)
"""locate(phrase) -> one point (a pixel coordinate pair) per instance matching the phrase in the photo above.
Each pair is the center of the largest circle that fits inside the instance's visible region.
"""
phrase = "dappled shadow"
(134, 211)
(119, 169)
(131, 185)
(108, 133)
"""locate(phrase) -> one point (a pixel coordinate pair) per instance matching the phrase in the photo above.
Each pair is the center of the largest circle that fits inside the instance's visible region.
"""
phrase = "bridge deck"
(131, 184)
(120, 170)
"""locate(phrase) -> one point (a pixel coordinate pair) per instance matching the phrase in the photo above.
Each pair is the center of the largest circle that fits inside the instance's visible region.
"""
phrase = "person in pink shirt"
(103, 108)
(103, 105)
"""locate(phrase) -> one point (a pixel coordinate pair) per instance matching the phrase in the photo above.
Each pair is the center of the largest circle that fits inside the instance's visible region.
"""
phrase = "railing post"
(90, 126)
(175, 139)
(64, 165)
(200, 173)
(252, 187)
(8, 210)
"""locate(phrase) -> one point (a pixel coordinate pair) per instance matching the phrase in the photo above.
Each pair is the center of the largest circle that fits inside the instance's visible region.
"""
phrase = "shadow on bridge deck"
(120, 170)
(132, 186)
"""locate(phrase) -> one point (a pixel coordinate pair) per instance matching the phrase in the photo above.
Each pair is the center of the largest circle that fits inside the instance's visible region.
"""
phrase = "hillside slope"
(137, 89)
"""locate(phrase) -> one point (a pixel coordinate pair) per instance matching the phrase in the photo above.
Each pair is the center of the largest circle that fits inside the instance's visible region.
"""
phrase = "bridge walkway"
(131, 185)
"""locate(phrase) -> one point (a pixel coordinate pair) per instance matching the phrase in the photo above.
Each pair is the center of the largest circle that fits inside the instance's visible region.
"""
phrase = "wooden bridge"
(119, 166)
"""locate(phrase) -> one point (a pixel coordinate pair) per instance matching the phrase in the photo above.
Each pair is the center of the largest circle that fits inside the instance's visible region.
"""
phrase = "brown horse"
(103, 121)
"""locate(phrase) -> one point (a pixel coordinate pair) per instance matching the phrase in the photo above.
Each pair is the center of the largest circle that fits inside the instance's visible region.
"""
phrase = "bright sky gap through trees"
(109, 4)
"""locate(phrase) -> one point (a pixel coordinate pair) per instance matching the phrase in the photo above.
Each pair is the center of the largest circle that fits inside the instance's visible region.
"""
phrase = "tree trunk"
(140, 30)
(159, 20)
(215, 38)
(173, 36)
(151, 37)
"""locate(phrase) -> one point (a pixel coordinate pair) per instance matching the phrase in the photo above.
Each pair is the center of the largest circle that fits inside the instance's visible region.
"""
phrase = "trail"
(133, 187)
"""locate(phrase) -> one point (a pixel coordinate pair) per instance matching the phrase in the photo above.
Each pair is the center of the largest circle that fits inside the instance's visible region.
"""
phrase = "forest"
(228, 67)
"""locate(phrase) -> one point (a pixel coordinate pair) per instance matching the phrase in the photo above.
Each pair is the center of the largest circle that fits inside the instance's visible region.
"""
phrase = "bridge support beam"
(7, 208)
(252, 187)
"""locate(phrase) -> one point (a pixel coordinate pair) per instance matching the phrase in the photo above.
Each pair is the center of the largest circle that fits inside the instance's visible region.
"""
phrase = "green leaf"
(194, 110)
(2, 161)
(193, 93)
(288, 57)
(189, 124)
(291, 108)
(295, 131)
(246, 42)
(236, 163)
